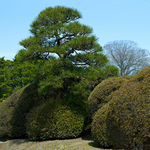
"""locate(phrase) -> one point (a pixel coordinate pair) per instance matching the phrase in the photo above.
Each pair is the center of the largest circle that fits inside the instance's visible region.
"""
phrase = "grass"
(81, 143)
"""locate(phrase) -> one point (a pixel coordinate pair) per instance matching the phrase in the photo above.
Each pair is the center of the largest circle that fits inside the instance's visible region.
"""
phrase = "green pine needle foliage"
(73, 58)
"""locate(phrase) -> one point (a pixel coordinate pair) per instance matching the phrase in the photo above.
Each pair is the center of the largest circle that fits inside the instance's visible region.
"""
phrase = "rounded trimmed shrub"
(128, 119)
(55, 120)
(6, 109)
(99, 127)
(102, 92)
(124, 121)
(143, 73)
(14, 109)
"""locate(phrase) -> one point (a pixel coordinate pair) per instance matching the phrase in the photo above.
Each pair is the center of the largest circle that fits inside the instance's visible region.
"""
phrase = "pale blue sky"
(110, 19)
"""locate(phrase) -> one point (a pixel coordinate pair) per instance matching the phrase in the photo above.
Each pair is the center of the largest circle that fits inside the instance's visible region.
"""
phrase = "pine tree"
(79, 62)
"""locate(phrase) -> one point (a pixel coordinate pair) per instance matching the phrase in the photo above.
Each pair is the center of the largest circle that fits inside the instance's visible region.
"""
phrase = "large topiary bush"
(102, 92)
(129, 115)
(14, 109)
(124, 122)
(55, 120)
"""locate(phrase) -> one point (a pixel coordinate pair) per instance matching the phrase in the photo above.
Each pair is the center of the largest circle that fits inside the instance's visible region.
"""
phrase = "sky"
(110, 19)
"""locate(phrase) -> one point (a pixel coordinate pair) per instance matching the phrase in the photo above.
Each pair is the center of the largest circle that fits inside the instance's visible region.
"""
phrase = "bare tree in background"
(127, 56)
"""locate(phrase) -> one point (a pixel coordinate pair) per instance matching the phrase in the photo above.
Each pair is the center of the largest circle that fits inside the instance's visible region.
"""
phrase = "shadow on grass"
(92, 144)
(88, 137)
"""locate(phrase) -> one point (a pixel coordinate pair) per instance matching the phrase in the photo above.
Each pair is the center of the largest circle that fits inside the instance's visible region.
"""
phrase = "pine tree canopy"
(57, 31)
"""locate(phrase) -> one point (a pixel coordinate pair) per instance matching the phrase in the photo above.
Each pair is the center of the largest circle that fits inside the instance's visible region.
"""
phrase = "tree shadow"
(94, 145)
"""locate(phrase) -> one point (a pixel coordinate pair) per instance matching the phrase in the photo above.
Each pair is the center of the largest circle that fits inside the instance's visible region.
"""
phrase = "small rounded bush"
(102, 92)
(54, 120)
(128, 119)
(14, 109)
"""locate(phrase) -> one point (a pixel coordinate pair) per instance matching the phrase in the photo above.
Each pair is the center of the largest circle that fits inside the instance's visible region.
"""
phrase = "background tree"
(15, 75)
(79, 60)
(127, 56)
(22, 74)
(5, 88)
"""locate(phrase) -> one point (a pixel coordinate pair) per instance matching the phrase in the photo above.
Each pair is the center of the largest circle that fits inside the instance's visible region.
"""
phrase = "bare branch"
(127, 56)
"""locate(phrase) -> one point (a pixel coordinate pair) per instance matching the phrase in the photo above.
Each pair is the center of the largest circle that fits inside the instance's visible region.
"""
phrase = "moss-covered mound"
(14, 109)
(55, 120)
(102, 93)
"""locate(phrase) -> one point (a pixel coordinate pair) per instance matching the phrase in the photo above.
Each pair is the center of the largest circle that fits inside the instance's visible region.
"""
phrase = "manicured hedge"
(129, 115)
(55, 120)
(124, 122)
(14, 109)
(102, 92)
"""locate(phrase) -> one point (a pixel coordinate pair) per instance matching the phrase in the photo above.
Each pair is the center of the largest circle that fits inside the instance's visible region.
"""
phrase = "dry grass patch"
(68, 144)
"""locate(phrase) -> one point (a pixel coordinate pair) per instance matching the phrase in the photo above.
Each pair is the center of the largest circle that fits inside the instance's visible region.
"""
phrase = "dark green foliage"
(102, 92)
(14, 109)
(61, 76)
(22, 74)
(15, 75)
(57, 77)
(5, 78)
(55, 120)
(56, 30)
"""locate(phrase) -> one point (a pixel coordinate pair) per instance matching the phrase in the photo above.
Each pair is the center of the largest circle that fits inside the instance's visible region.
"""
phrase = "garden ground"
(81, 143)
